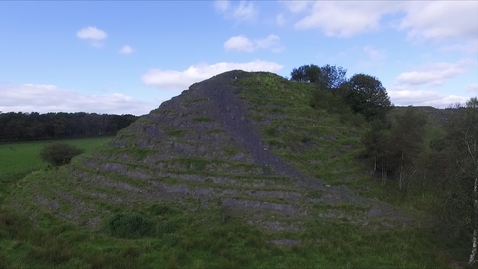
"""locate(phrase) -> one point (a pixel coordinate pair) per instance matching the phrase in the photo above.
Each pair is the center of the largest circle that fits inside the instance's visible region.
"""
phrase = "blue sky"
(127, 57)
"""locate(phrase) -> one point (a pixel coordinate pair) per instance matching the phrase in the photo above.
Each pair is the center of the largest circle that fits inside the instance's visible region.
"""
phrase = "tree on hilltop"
(366, 95)
(327, 76)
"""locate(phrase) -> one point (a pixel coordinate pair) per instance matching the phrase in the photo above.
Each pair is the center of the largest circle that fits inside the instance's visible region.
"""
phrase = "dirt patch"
(93, 223)
(102, 181)
(51, 204)
(113, 167)
(69, 198)
(275, 194)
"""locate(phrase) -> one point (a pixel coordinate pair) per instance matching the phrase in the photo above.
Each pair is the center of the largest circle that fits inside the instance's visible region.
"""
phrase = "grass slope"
(324, 143)
(201, 201)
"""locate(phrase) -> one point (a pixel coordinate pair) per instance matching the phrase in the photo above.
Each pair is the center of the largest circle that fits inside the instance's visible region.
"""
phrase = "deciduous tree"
(59, 153)
(460, 201)
(366, 95)
(327, 76)
(408, 136)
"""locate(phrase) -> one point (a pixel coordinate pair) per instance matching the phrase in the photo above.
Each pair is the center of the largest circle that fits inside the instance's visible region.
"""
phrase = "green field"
(23, 156)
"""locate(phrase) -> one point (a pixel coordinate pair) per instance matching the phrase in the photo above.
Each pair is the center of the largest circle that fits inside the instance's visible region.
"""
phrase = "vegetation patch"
(130, 225)
(232, 151)
(177, 133)
(202, 119)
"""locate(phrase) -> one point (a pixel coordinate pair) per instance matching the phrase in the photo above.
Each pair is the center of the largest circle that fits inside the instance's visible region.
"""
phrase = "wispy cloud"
(435, 74)
(470, 47)
(374, 56)
(342, 18)
(280, 20)
(126, 49)
(472, 88)
(239, 12)
(244, 44)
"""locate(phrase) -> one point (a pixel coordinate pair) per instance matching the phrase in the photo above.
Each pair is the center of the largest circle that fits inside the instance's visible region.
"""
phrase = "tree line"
(443, 167)
(19, 126)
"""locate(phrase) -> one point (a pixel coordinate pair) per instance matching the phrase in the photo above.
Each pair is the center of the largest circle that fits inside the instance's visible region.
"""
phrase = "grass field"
(23, 156)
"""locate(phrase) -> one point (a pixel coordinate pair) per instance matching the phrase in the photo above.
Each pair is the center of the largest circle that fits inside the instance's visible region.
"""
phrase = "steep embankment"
(243, 141)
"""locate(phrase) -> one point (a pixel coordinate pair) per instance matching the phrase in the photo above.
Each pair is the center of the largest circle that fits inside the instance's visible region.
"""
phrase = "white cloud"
(239, 43)
(435, 74)
(440, 20)
(50, 98)
(405, 97)
(242, 43)
(181, 80)
(405, 91)
(243, 11)
(423, 20)
(272, 41)
(344, 18)
(472, 88)
(126, 49)
(92, 34)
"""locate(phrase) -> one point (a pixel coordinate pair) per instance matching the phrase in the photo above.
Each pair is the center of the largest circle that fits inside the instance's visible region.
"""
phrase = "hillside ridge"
(229, 109)
(202, 149)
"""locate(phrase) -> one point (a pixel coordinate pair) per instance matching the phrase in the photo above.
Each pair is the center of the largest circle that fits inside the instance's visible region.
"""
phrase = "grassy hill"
(237, 172)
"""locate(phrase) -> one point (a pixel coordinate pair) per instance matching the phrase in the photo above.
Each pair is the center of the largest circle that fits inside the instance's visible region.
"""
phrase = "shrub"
(59, 153)
(159, 209)
(130, 226)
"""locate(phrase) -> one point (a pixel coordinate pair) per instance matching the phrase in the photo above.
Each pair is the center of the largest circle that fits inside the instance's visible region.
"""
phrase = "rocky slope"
(210, 148)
